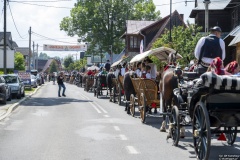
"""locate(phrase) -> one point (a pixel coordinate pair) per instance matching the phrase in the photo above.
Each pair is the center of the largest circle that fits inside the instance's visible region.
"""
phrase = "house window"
(134, 42)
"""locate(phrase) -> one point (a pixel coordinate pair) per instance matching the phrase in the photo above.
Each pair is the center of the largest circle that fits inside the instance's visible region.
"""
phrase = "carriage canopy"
(126, 59)
(161, 53)
(93, 68)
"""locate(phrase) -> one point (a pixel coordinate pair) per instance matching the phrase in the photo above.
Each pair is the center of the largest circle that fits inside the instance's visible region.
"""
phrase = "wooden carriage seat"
(150, 89)
(221, 82)
(136, 85)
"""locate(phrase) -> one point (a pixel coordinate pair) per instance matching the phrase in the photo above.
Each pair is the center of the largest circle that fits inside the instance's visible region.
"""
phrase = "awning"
(161, 53)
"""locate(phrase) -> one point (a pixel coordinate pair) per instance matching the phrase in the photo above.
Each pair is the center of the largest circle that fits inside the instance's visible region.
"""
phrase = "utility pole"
(5, 38)
(206, 2)
(33, 57)
(37, 59)
(170, 27)
(29, 54)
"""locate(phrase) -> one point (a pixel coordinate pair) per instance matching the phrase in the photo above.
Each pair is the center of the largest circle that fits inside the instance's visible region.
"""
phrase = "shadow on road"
(52, 101)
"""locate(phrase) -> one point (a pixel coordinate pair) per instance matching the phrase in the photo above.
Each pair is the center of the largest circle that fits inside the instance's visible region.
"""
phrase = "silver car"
(33, 81)
(16, 84)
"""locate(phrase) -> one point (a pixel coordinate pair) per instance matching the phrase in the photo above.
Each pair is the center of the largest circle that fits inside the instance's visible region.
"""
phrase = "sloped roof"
(234, 32)
(163, 23)
(23, 50)
(47, 65)
(134, 26)
(214, 5)
(10, 42)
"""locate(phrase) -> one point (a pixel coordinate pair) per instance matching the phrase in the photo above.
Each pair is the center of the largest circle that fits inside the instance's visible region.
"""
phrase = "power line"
(42, 1)
(41, 5)
(51, 38)
(191, 1)
(14, 21)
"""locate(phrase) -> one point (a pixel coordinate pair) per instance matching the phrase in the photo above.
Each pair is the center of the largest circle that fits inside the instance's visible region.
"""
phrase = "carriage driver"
(208, 48)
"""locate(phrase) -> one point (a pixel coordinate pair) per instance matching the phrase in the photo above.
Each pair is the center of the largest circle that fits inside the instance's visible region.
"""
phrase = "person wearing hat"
(208, 48)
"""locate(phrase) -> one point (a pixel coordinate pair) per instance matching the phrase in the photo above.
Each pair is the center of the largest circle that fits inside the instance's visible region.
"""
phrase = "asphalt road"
(83, 127)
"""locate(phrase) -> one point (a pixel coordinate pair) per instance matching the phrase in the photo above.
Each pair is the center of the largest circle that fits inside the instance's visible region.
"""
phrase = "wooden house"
(148, 31)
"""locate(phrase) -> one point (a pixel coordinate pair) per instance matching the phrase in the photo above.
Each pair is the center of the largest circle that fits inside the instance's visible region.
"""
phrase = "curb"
(15, 105)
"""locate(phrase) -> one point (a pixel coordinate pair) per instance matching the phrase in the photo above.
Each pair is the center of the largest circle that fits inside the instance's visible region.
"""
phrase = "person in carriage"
(208, 48)
(232, 68)
(90, 72)
(138, 69)
(148, 72)
(153, 66)
(217, 67)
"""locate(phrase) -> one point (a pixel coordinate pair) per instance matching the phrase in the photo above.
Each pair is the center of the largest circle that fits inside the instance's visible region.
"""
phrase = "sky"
(44, 21)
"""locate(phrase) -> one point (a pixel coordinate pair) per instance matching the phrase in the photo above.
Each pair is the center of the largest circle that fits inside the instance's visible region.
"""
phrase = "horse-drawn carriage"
(100, 85)
(117, 82)
(89, 81)
(146, 90)
(211, 104)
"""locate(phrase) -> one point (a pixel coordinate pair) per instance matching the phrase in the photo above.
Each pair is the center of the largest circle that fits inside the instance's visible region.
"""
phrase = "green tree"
(19, 62)
(43, 56)
(53, 67)
(102, 22)
(184, 40)
(67, 61)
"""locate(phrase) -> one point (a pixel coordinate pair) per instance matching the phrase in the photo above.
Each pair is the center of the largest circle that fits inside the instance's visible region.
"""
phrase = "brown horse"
(167, 84)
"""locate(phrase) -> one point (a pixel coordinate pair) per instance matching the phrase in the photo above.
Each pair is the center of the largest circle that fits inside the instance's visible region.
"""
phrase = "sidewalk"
(6, 109)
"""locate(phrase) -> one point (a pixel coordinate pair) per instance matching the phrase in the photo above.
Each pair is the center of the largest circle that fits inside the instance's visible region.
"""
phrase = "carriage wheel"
(143, 108)
(231, 137)
(201, 131)
(119, 95)
(174, 129)
(132, 105)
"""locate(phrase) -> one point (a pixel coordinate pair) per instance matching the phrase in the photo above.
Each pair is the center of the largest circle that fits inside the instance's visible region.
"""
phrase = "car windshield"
(10, 79)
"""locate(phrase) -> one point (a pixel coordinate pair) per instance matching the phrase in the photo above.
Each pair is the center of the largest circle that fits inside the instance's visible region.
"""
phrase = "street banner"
(25, 77)
(80, 47)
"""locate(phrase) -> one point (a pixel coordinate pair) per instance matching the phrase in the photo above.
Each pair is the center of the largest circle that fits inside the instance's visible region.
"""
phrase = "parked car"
(5, 91)
(16, 84)
(33, 81)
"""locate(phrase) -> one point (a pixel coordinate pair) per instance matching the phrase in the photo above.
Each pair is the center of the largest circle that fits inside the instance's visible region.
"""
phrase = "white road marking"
(131, 150)
(101, 108)
(85, 97)
(116, 128)
(95, 107)
(106, 116)
(123, 137)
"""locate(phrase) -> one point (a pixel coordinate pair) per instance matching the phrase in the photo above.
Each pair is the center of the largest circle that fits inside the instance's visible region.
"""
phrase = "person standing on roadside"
(60, 79)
